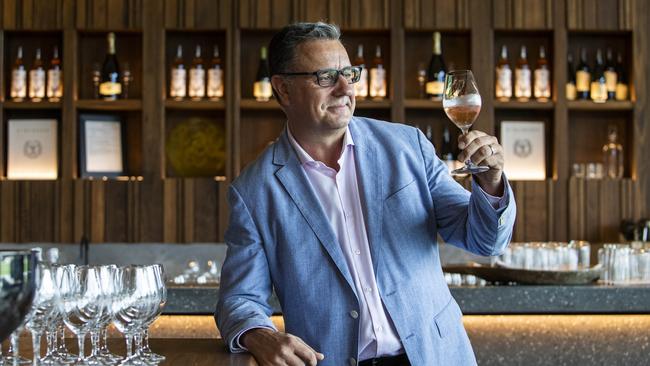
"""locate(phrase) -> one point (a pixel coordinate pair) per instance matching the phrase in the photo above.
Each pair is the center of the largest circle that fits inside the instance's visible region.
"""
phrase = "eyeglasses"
(329, 77)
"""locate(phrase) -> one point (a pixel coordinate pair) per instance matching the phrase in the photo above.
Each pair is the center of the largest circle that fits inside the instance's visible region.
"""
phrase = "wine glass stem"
(80, 341)
(94, 339)
(36, 347)
(129, 345)
(138, 343)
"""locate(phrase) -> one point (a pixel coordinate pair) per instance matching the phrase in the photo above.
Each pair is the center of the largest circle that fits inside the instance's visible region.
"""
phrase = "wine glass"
(107, 277)
(157, 278)
(44, 308)
(462, 104)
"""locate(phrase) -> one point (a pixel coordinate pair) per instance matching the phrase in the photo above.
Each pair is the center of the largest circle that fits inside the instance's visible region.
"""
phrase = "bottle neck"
(437, 49)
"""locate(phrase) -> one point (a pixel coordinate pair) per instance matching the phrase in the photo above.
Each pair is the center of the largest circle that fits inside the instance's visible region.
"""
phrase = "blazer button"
(352, 361)
(354, 314)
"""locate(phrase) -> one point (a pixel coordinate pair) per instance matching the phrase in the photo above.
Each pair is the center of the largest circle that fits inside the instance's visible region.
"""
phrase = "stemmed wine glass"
(157, 278)
(44, 308)
(462, 104)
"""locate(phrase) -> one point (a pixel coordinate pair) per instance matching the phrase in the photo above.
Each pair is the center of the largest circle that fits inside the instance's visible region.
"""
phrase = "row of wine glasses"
(86, 300)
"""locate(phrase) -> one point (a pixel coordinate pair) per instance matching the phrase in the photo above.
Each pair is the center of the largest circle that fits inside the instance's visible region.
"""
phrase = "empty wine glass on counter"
(44, 308)
(109, 291)
(13, 357)
(551, 256)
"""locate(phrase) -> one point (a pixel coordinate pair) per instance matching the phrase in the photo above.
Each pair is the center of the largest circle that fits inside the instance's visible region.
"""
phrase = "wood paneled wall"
(156, 208)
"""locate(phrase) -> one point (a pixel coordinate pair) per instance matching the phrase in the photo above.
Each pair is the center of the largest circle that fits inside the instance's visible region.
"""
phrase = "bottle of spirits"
(18, 78)
(571, 92)
(37, 78)
(613, 155)
(542, 87)
(583, 76)
(54, 78)
(437, 71)
(197, 76)
(523, 88)
(262, 88)
(621, 79)
(361, 86)
(447, 150)
(215, 76)
(378, 76)
(598, 89)
(110, 87)
(610, 75)
(503, 90)
(178, 77)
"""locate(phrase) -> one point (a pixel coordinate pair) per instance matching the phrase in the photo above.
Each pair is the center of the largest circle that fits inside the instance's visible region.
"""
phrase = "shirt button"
(357, 252)
(379, 328)
(368, 289)
(352, 361)
(354, 314)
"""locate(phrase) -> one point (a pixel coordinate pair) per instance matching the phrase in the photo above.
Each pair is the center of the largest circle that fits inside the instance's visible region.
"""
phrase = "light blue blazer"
(279, 238)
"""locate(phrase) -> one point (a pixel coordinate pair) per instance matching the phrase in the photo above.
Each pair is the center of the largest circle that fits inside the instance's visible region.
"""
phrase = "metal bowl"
(17, 286)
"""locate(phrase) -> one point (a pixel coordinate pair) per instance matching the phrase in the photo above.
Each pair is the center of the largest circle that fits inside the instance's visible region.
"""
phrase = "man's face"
(311, 106)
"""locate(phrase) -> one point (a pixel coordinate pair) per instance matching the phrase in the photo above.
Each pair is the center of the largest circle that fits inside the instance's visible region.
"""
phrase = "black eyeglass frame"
(320, 74)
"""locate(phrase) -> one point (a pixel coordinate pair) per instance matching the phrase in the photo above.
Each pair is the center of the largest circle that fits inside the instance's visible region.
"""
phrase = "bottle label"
(215, 83)
(598, 91)
(54, 85)
(110, 89)
(504, 83)
(435, 88)
(19, 84)
(571, 92)
(583, 79)
(262, 90)
(542, 83)
(610, 81)
(378, 82)
(197, 83)
(37, 83)
(361, 86)
(178, 83)
(621, 91)
(522, 83)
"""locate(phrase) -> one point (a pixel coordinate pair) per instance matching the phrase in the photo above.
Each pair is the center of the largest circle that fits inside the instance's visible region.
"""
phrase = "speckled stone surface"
(479, 300)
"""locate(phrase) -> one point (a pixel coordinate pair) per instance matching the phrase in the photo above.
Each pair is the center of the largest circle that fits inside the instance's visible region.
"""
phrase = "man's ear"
(280, 87)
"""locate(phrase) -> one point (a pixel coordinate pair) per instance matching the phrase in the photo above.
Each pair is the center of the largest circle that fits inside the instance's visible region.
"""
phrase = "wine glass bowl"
(462, 104)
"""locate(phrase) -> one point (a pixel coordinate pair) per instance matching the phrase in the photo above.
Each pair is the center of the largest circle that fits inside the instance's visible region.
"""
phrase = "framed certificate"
(524, 150)
(32, 151)
(101, 146)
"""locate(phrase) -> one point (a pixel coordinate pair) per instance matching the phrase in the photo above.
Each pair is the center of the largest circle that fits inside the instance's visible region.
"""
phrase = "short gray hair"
(282, 48)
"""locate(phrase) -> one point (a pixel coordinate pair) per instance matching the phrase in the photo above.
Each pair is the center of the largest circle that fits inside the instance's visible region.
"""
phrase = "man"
(340, 217)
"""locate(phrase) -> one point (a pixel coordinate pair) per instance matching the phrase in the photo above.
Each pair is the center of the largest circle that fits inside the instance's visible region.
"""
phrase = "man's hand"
(275, 348)
(484, 149)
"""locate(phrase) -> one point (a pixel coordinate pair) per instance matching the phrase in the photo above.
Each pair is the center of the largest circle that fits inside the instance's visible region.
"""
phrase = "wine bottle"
(447, 151)
(610, 75)
(613, 155)
(598, 88)
(37, 78)
(262, 88)
(522, 77)
(583, 76)
(571, 79)
(542, 87)
(54, 78)
(197, 76)
(178, 83)
(621, 79)
(378, 76)
(110, 87)
(437, 71)
(18, 78)
(215, 76)
(503, 90)
(361, 86)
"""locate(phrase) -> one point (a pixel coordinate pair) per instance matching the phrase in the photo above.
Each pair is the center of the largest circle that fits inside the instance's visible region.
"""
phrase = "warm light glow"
(524, 150)
(32, 149)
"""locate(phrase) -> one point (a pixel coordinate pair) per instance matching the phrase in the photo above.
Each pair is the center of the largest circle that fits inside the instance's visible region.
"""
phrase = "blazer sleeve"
(245, 279)
(467, 220)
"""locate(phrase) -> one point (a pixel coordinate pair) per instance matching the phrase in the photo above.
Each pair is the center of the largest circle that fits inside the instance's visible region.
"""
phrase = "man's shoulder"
(258, 171)
(385, 132)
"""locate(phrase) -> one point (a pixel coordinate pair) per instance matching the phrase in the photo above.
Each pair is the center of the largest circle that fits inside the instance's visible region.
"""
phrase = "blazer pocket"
(400, 189)
(448, 319)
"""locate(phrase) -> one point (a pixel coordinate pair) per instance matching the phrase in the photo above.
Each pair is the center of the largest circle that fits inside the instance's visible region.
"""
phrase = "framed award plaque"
(101, 146)
(32, 151)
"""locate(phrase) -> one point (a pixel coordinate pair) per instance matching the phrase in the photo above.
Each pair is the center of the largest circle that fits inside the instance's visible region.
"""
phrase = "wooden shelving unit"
(166, 207)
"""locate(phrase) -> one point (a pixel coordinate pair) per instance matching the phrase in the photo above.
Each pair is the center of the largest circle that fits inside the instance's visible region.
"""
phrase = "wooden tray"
(527, 277)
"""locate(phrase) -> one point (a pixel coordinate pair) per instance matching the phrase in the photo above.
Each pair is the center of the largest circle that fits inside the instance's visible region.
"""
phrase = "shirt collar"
(305, 158)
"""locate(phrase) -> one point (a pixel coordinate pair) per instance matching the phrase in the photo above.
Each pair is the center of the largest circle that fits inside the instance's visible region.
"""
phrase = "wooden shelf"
(422, 104)
(513, 104)
(253, 104)
(110, 105)
(587, 105)
(29, 105)
(373, 104)
(201, 105)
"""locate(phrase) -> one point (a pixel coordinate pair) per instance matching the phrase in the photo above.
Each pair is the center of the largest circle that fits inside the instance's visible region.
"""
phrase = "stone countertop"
(594, 299)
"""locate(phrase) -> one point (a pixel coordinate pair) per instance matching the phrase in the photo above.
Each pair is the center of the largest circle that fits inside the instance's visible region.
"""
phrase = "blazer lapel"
(370, 178)
(295, 182)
